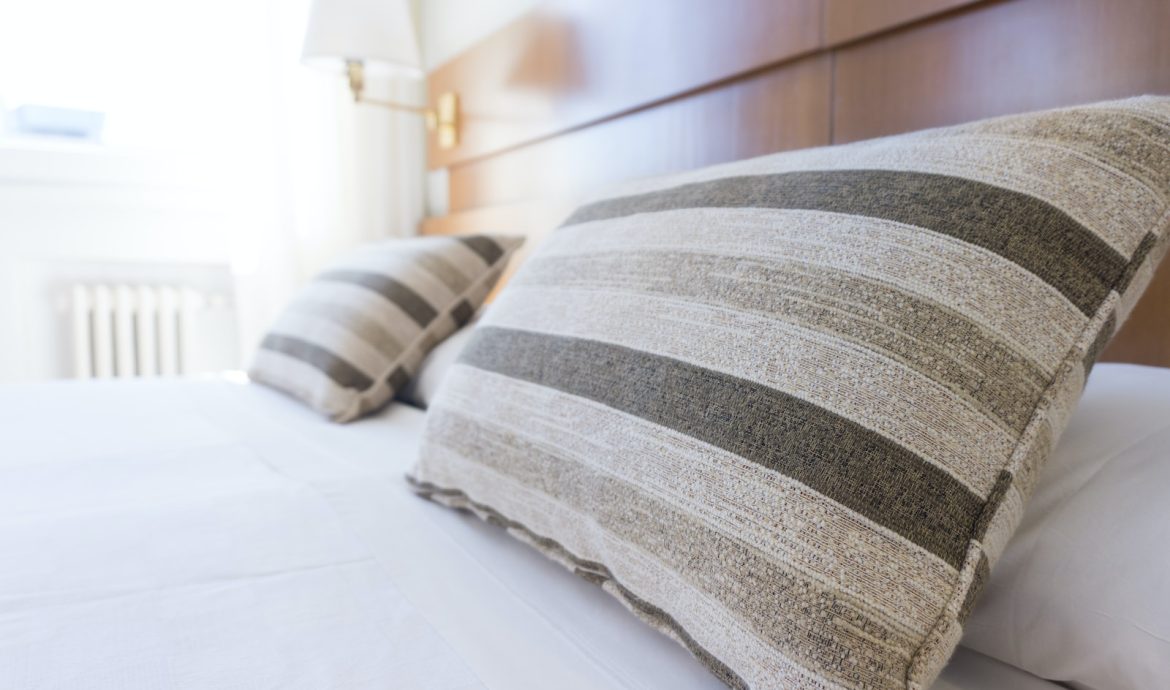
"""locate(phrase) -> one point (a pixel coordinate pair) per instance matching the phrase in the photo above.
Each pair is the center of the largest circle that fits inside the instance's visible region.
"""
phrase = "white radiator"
(142, 330)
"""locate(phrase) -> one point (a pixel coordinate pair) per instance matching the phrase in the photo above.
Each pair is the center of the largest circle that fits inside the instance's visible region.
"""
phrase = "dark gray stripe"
(850, 464)
(485, 246)
(397, 379)
(409, 301)
(462, 313)
(930, 338)
(1023, 229)
(342, 372)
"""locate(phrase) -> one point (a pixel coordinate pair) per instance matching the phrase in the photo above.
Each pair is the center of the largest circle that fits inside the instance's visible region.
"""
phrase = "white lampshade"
(378, 33)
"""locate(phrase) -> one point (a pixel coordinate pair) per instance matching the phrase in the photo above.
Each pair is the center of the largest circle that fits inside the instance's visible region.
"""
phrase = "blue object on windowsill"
(42, 120)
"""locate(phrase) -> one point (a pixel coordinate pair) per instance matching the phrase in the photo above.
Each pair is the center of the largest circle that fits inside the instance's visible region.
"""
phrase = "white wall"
(225, 157)
(77, 212)
(451, 26)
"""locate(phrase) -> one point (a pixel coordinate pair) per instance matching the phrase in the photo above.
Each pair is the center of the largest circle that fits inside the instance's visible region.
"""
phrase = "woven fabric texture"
(357, 333)
(788, 410)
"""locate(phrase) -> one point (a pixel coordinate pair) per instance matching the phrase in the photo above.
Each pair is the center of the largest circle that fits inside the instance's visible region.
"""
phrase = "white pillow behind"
(1082, 593)
(421, 389)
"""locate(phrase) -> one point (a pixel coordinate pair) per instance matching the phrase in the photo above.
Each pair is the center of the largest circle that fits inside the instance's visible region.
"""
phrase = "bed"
(215, 533)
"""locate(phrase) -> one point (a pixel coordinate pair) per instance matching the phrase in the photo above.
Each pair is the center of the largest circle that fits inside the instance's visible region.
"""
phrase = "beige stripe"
(1103, 196)
(465, 259)
(740, 499)
(856, 383)
(358, 298)
(340, 341)
(406, 270)
(302, 381)
(759, 590)
(917, 333)
(711, 623)
(975, 283)
(436, 263)
(758, 663)
(354, 320)
(1001, 528)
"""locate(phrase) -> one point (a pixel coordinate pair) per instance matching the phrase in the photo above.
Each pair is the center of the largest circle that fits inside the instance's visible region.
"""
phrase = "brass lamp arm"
(444, 120)
(394, 105)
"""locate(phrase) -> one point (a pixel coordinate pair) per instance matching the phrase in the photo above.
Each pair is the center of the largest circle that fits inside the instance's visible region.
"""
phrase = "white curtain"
(343, 173)
(285, 167)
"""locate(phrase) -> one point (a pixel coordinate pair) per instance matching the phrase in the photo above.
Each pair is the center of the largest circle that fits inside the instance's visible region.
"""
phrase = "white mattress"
(218, 535)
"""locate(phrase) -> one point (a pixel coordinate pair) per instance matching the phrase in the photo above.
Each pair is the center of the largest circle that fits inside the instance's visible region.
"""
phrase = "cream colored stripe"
(1112, 204)
(856, 383)
(469, 264)
(781, 517)
(338, 340)
(758, 663)
(712, 625)
(465, 259)
(978, 284)
(405, 269)
(303, 381)
(368, 302)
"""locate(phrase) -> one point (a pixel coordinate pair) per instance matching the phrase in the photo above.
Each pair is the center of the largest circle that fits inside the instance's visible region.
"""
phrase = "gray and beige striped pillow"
(356, 334)
(788, 410)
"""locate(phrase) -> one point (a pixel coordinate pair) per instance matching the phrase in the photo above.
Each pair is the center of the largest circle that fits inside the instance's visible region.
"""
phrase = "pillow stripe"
(763, 590)
(970, 281)
(780, 516)
(487, 248)
(415, 306)
(1057, 248)
(363, 327)
(803, 441)
(342, 372)
(934, 341)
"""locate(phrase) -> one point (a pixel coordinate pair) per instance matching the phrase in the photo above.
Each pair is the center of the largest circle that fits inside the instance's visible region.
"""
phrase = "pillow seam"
(916, 671)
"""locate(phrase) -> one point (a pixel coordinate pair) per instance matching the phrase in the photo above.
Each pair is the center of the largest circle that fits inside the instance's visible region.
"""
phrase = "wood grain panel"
(1001, 58)
(848, 20)
(1145, 337)
(572, 62)
(782, 108)
(530, 219)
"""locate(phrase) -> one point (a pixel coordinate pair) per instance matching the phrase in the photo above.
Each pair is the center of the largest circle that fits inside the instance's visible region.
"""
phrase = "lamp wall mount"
(443, 119)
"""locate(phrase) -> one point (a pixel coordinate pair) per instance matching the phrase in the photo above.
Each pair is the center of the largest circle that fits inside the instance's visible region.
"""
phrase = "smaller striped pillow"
(357, 333)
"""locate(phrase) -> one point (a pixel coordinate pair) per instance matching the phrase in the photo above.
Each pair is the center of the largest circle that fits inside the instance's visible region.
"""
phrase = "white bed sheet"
(216, 535)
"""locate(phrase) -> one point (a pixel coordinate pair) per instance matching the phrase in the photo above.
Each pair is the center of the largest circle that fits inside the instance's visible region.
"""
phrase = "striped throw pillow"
(788, 410)
(357, 333)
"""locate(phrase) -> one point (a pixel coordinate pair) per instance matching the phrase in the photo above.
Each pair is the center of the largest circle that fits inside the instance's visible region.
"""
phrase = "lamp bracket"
(443, 119)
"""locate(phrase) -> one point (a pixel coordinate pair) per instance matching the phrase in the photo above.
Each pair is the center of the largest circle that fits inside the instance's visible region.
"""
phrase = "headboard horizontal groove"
(581, 94)
(572, 63)
(782, 108)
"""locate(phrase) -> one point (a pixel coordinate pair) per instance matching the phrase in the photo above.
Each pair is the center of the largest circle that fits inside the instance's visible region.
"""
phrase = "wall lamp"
(375, 37)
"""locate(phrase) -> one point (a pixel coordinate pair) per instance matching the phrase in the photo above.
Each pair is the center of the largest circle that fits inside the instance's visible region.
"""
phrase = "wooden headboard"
(582, 93)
